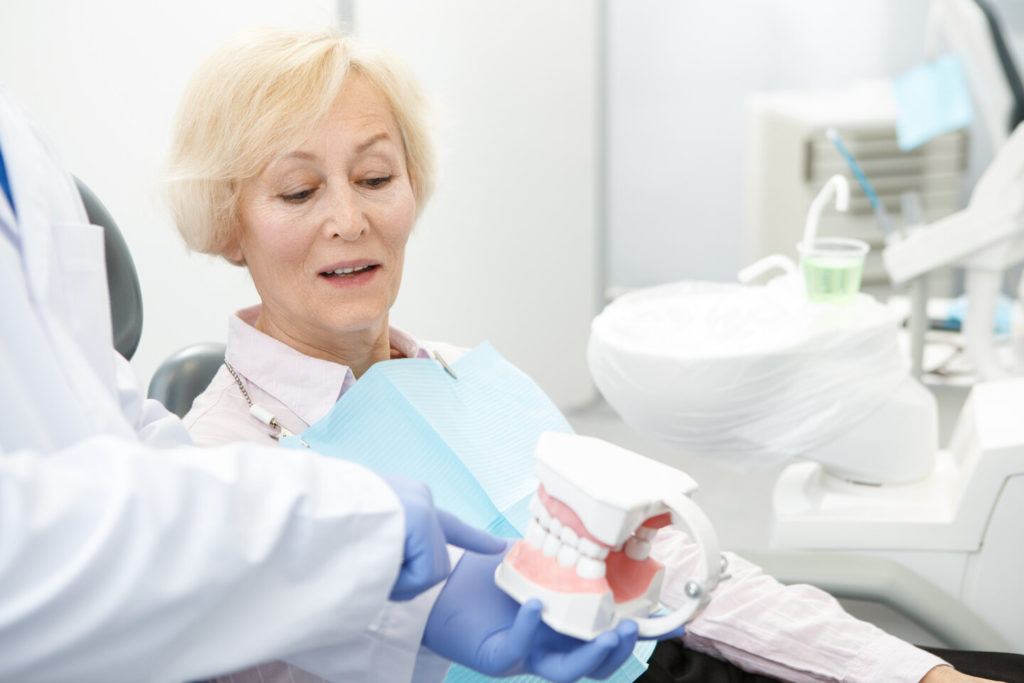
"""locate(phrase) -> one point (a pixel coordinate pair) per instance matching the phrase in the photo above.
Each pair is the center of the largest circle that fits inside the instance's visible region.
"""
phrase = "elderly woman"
(304, 157)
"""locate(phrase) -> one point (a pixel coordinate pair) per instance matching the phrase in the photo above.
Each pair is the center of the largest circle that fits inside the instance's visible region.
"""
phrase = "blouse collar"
(307, 386)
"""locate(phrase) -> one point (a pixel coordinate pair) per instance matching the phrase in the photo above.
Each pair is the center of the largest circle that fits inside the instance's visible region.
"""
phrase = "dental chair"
(122, 280)
(184, 375)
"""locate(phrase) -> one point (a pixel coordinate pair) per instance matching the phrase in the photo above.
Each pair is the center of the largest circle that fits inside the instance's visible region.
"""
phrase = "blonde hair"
(259, 95)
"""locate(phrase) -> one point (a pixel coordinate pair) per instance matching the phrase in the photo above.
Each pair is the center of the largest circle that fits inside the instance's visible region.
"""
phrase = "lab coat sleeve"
(390, 648)
(794, 633)
(153, 423)
(119, 562)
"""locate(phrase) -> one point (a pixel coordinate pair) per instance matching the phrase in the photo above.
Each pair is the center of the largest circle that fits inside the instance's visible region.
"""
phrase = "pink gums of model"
(586, 554)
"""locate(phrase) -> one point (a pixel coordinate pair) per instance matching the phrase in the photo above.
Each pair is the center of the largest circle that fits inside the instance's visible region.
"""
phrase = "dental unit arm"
(586, 551)
(985, 238)
(961, 26)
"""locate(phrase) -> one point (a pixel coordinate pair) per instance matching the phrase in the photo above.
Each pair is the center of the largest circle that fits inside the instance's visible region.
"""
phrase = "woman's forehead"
(360, 120)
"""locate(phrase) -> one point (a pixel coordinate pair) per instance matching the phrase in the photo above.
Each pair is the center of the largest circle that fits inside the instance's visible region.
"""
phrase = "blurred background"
(586, 146)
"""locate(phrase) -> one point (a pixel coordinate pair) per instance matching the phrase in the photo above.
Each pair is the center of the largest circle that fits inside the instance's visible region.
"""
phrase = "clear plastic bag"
(749, 374)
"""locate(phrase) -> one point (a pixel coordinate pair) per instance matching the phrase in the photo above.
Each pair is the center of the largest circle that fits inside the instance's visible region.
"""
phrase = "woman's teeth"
(346, 271)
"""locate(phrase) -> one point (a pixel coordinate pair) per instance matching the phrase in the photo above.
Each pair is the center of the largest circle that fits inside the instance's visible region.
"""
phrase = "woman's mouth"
(347, 272)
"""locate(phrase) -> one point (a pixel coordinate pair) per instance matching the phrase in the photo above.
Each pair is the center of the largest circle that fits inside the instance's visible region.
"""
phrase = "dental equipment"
(788, 158)
(708, 367)
(985, 238)
(970, 28)
(836, 185)
(884, 222)
(831, 266)
(587, 546)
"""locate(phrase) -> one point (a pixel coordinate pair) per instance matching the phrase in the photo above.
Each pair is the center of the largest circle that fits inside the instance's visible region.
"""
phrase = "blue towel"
(931, 99)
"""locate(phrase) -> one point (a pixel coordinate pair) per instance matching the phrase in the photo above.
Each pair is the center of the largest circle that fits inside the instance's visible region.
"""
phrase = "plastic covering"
(749, 374)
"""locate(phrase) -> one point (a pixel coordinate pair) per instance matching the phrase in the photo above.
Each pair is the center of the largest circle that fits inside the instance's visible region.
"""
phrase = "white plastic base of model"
(613, 491)
(581, 615)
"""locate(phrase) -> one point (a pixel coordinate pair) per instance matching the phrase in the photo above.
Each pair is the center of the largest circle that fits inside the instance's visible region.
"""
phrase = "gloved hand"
(474, 623)
(428, 530)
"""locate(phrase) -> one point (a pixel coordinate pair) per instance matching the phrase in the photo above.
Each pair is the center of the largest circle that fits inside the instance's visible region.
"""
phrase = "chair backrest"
(184, 375)
(122, 279)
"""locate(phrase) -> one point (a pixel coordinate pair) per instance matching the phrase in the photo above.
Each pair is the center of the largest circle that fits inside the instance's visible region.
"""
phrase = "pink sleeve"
(795, 633)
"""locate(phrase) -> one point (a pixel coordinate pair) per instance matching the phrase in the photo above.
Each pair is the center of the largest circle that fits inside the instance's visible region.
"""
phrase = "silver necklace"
(259, 412)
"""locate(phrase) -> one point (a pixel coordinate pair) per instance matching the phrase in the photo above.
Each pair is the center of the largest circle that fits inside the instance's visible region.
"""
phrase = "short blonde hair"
(259, 95)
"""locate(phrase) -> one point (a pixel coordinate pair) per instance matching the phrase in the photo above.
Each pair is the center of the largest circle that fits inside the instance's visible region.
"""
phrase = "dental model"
(586, 551)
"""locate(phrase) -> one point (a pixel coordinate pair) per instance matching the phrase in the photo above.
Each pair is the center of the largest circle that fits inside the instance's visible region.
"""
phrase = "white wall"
(515, 84)
(505, 252)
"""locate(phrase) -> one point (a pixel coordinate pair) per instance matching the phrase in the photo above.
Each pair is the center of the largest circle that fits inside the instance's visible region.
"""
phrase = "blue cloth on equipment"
(470, 439)
(956, 313)
(931, 99)
(5, 184)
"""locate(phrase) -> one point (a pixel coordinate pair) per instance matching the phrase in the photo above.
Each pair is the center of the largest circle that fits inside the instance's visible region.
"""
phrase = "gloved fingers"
(580, 661)
(465, 536)
(519, 638)
(426, 554)
(506, 651)
(627, 632)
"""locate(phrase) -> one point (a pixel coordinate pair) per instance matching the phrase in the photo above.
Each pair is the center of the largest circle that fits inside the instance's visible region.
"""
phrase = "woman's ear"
(235, 253)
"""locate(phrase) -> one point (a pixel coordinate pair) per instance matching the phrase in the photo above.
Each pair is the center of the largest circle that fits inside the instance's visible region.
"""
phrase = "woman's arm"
(795, 633)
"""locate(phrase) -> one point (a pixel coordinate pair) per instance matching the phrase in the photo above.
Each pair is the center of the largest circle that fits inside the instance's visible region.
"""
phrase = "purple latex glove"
(476, 624)
(428, 531)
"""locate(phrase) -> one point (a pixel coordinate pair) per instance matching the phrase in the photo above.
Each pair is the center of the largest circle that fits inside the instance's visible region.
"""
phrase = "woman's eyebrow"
(297, 154)
(371, 141)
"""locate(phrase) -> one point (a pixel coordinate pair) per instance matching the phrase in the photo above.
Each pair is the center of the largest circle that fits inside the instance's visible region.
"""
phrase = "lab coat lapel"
(61, 269)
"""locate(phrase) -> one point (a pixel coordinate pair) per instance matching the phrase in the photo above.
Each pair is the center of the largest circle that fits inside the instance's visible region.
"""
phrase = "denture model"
(586, 551)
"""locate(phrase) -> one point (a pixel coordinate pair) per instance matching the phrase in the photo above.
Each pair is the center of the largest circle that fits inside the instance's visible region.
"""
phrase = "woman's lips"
(350, 276)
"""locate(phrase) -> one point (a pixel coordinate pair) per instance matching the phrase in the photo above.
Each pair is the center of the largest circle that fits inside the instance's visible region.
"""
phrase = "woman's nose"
(345, 218)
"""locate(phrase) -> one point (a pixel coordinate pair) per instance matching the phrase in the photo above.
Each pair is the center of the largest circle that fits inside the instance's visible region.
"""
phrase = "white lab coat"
(126, 555)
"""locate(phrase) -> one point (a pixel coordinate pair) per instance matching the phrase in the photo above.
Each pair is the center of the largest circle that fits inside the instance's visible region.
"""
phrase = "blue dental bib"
(470, 437)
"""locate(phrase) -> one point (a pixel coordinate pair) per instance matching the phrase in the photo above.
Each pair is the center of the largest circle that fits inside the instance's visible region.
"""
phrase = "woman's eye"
(377, 182)
(297, 197)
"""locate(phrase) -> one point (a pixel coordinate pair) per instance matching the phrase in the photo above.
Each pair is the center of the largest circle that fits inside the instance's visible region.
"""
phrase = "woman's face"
(324, 228)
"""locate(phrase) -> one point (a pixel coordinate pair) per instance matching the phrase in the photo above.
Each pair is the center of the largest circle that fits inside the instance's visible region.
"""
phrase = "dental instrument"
(838, 186)
(884, 222)
(586, 554)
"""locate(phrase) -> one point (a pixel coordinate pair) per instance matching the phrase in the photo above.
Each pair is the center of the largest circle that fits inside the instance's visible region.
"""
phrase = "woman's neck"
(357, 349)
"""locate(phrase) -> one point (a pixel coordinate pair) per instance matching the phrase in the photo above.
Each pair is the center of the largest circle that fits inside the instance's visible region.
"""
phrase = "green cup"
(832, 268)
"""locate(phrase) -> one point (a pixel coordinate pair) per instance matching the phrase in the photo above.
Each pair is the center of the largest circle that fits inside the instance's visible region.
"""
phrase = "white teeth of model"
(555, 526)
(536, 507)
(591, 549)
(568, 556)
(569, 536)
(541, 513)
(645, 532)
(551, 545)
(637, 549)
(535, 534)
(589, 568)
